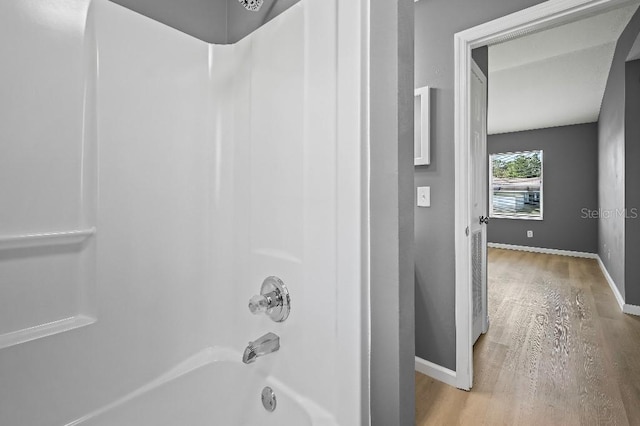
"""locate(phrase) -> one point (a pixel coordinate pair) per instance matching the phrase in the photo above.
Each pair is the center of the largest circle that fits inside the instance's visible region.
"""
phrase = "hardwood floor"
(558, 351)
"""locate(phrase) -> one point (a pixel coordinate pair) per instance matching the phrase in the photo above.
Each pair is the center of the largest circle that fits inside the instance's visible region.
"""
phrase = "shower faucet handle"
(273, 300)
(262, 303)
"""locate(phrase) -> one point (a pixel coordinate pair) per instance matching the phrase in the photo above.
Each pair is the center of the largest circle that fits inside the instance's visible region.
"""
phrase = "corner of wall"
(612, 162)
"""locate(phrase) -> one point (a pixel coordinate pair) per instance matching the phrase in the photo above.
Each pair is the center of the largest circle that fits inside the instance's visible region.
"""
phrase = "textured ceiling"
(555, 77)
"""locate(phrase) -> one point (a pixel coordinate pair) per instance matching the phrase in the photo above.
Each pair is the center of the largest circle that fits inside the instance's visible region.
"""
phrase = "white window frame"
(494, 215)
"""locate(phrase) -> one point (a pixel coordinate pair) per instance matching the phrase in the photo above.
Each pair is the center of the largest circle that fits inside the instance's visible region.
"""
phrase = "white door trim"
(436, 371)
(543, 15)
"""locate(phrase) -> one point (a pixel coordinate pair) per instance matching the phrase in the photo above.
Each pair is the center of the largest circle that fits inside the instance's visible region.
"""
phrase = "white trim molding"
(612, 284)
(422, 141)
(436, 371)
(631, 309)
(539, 17)
(624, 307)
(543, 250)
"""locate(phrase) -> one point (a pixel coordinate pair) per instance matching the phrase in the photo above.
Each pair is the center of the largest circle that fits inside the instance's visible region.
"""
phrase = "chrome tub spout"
(266, 344)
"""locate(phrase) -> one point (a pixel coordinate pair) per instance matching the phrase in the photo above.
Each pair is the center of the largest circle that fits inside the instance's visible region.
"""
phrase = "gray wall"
(632, 183)
(481, 57)
(611, 153)
(436, 23)
(391, 221)
(570, 184)
(214, 21)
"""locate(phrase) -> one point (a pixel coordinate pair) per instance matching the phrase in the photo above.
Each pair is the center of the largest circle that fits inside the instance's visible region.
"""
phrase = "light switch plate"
(424, 196)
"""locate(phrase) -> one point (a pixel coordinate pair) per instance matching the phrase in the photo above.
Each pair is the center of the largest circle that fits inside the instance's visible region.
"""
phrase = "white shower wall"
(41, 167)
(203, 169)
(284, 139)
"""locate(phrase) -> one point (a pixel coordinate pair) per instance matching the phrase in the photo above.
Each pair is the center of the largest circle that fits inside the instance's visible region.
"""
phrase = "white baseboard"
(612, 284)
(543, 250)
(631, 309)
(436, 371)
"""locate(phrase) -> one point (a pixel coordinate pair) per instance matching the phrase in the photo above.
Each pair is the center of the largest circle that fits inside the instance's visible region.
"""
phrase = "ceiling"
(634, 53)
(214, 21)
(555, 77)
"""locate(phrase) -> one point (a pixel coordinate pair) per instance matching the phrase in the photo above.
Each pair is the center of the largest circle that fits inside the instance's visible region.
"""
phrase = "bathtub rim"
(208, 356)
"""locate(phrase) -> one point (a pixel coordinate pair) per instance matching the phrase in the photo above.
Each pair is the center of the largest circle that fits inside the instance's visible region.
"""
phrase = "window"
(515, 185)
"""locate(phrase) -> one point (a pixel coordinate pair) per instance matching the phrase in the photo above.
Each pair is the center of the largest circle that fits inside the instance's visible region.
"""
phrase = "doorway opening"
(470, 254)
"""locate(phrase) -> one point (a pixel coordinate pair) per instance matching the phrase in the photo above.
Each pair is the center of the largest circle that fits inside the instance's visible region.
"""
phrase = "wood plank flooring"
(558, 351)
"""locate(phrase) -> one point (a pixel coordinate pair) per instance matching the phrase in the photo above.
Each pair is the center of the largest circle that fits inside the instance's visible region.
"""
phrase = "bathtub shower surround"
(150, 182)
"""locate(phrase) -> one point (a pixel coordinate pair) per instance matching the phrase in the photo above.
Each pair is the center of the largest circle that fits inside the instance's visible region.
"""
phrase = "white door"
(479, 186)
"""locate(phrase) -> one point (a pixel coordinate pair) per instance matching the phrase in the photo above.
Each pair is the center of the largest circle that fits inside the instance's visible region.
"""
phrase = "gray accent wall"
(391, 221)
(436, 23)
(611, 154)
(570, 188)
(632, 183)
(213, 21)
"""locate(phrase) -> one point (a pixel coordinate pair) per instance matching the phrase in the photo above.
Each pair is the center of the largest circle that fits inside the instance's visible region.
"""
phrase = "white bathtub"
(211, 388)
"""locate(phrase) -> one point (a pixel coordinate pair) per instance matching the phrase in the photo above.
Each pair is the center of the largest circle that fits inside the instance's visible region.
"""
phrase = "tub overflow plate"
(268, 399)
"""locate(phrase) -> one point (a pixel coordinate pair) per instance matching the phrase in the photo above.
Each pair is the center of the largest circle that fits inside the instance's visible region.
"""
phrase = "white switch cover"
(424, 196)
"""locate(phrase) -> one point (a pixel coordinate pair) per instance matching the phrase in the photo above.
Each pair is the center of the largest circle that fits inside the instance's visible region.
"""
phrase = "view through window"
(516, 185)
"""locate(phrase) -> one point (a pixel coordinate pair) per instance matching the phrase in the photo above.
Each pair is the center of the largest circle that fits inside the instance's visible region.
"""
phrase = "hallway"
(558, 351)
